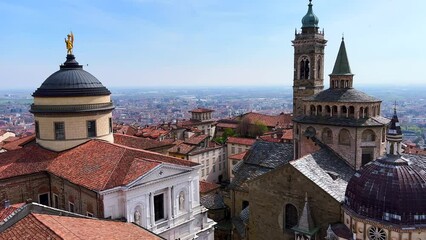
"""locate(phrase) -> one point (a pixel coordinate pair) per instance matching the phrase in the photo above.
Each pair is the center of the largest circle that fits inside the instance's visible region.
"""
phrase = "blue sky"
(207, 42)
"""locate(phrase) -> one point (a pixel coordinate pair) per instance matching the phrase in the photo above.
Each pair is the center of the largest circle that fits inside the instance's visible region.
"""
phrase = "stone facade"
(60, 193)
(357, 145)
(272, 192)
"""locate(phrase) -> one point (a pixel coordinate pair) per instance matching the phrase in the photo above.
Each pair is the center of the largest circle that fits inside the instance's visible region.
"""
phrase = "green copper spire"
(341, 67)
(310, 20)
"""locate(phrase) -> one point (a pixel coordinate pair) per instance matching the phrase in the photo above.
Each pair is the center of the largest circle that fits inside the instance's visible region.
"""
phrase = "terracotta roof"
(127, 130)
(123, 166)
(242, 141)
(206, 187)
(182, 148)
(227, 125)
(10, 139)
(195, 140)
(96, 164)
(201, 110)
(282, 120)
(5, 212)
(152, 132)
(238, 156)
(270, 138)
(288, 134)
(28, 160)
(18, 143)
(137, 142)
(44, 226)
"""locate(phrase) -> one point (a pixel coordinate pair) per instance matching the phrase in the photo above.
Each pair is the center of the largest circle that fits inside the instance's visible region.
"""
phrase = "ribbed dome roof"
(342, 95)
(71, 81)
(310, 20)
(389, 189)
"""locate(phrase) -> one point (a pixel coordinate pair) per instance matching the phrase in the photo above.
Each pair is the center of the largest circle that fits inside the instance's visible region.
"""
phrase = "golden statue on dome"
(69, 43)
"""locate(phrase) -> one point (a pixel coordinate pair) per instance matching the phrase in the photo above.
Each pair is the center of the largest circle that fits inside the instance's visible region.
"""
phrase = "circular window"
(375, 233)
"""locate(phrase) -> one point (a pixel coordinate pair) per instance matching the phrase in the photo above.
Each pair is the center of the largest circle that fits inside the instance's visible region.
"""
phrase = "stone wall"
(269, 195)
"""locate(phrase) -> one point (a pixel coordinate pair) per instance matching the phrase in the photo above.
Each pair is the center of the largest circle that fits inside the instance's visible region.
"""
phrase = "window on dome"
(91, 128)
(59, 130)
(37, 129)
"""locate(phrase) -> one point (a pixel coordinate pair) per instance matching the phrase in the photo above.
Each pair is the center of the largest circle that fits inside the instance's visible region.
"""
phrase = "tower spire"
(310, 20)
(341, 66)
(394, 135)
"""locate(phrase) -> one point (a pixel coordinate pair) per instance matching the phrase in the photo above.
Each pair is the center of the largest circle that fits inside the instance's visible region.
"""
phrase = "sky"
(194, 43)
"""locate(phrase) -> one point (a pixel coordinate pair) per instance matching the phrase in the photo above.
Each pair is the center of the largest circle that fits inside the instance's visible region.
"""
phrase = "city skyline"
(164, 43)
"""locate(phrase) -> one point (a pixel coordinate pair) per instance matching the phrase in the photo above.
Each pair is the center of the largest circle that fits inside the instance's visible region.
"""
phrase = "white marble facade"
(165, 201)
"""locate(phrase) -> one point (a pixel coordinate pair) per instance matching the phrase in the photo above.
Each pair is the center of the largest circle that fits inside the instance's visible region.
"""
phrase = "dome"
(342, 95)
(310, 20)
(390, 189)
(71, 81)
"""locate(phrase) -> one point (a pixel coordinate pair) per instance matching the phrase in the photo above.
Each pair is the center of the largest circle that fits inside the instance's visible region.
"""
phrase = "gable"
(160, 172)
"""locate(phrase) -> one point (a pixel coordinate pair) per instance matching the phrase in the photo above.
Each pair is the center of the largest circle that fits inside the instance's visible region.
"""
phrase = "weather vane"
(69, 42)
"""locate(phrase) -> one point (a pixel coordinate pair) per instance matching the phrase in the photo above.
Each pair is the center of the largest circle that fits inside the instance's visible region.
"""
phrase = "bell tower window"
(319, 69)
(305, 69)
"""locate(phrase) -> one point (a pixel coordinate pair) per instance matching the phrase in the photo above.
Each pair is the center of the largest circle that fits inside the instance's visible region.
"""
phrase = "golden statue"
(69, 43)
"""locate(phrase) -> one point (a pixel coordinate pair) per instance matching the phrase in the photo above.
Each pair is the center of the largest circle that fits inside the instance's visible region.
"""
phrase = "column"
(169, 206)
(151, 209)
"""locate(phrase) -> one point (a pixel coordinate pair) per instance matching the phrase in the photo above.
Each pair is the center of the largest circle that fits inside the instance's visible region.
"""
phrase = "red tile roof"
(44, 226)
(288, 134)
(201, 110)
(96, 164)
(5, 212)
(227, 125)
(182, 148)
(18, 143)
(101, 165)
(241, 141)
(195, 140)
(270, 138)
(138, 142)
(238, 156)
(28, 160)
(282, 120)
(127, 130)
(206, 187)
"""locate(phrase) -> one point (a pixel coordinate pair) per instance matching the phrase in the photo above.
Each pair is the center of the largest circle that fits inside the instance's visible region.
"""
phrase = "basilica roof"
(71, 81)
(346, 95)
(327, 170)
(260, 159)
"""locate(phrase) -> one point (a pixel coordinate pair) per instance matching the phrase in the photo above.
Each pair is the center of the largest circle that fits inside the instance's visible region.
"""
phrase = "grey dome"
(71, 81)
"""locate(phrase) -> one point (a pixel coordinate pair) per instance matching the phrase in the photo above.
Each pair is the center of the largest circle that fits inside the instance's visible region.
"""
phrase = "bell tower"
(309, 47)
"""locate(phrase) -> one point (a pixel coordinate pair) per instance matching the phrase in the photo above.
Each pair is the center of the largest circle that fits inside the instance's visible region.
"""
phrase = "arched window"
(304, 69)
(334, 111)
(351, 111)
(361, 112)
(313, 111)
(366, 114)
(383, 134)
(327, 135)
(344, 111)
(319, 110)
(327, 110)
(344, 137)
(368, 136)
(310, 132)
(291, 218)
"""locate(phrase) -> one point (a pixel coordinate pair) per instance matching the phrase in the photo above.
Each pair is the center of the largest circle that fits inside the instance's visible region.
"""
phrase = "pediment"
(160, 172)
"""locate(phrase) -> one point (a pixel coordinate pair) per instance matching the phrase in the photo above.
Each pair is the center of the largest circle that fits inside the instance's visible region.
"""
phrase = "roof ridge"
(113, 171)
(39, 221)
